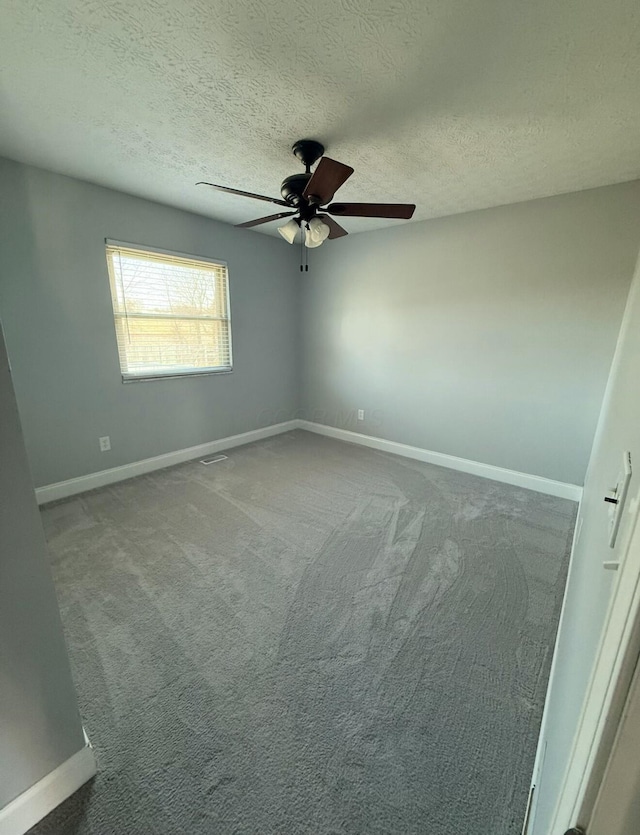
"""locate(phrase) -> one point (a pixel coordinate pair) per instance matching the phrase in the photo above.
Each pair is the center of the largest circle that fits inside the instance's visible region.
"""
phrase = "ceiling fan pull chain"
(304, 251)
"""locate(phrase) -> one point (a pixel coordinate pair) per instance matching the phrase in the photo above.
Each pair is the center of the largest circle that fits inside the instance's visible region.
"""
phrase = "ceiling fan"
(308, 195)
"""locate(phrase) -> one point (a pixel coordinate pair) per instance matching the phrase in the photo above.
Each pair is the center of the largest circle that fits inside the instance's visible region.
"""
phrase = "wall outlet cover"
(360, 414)
(105, 443)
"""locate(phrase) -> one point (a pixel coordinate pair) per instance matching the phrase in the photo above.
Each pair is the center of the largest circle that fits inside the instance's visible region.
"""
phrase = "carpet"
(308, 638)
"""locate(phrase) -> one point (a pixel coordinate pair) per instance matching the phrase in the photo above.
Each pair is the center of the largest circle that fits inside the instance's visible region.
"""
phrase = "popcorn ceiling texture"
(454, 105)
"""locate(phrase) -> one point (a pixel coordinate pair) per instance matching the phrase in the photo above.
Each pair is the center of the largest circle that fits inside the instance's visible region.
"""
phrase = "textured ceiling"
(453, 104)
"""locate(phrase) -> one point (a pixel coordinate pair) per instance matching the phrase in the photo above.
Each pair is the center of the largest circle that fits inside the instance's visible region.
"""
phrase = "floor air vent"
(214, 459)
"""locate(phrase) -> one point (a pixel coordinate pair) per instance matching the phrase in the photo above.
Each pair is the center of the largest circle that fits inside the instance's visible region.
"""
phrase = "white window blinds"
(171, 313)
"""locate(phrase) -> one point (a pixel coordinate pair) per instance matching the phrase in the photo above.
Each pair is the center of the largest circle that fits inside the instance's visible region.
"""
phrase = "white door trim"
(607, 690)
(616, 807)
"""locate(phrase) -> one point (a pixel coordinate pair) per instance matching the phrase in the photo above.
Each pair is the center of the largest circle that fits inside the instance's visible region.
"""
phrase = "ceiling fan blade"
(402, 211)
(245, 193)
(260, 220)
(326, 180)
(336, 230)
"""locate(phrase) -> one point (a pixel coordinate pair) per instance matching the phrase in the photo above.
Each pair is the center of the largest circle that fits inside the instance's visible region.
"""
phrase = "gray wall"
(589, 585)
(487, 335)
(507, 316)
(56, 307)
(39, 723)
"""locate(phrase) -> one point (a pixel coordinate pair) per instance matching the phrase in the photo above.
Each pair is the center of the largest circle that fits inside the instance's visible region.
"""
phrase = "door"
(617, 805)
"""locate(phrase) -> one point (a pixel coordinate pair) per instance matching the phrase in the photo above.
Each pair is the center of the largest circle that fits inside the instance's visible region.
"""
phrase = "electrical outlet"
(360, 414)
(105, 443)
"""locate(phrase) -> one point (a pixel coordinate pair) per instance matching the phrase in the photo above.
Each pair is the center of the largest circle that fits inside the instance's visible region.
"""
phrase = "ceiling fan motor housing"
(292, 188)
(307, 151)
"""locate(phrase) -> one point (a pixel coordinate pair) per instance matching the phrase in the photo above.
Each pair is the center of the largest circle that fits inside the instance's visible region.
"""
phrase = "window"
(171, 313)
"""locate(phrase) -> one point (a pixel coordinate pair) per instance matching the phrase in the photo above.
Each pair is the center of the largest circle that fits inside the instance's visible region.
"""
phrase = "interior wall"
(40, 726)
(487, 336)
(56, 307)
(589, 586)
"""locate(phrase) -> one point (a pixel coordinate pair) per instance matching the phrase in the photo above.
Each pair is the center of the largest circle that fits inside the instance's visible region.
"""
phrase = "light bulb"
(289, 231)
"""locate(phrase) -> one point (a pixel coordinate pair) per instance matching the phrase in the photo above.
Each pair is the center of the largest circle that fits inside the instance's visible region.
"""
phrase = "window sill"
(179, 376)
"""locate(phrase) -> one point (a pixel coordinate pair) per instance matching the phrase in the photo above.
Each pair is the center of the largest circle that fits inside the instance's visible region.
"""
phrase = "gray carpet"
(308, 638)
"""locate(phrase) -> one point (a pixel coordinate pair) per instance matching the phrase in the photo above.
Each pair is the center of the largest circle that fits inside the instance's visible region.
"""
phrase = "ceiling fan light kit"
(316, 232)
(309, 196)
(289, 230)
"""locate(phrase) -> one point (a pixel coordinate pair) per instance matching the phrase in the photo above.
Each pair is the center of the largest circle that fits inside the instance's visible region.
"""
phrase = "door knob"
(576, 830)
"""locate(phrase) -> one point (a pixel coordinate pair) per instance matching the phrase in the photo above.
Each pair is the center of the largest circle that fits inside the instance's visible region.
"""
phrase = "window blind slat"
(171, 313)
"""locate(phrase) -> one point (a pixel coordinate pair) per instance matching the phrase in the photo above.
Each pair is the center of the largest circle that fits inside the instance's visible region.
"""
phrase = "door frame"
(617, 806)
(608, 687)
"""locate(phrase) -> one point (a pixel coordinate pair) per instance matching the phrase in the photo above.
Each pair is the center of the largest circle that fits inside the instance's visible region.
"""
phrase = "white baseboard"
(35, 803)
(530, 482)
(72, 486)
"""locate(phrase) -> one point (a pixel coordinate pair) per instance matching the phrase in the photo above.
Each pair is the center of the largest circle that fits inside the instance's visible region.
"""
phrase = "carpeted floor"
(309, 638)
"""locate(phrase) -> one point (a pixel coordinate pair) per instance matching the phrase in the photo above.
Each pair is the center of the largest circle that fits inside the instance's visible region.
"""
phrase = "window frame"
(142, 249)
